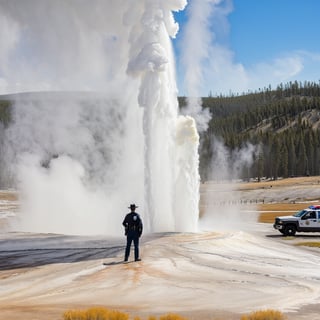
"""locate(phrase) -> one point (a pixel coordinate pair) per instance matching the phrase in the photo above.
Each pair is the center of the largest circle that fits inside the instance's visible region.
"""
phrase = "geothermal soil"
(213, 274)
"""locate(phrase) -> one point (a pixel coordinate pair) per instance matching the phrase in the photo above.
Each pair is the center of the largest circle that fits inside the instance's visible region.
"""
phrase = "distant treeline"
(283, 124)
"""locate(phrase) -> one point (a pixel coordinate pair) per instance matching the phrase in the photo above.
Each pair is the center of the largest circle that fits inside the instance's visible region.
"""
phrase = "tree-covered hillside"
(283, 125)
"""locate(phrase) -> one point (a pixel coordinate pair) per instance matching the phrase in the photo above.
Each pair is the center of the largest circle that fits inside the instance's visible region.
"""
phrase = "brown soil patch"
(13, 312)
(282, 182)
(8, 195)
(269, 211)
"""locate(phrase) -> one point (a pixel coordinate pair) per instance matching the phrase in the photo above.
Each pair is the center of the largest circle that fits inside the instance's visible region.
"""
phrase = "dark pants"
(132, 236)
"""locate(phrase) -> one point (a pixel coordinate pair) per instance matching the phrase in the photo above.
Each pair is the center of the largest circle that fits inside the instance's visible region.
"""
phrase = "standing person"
(133, 230)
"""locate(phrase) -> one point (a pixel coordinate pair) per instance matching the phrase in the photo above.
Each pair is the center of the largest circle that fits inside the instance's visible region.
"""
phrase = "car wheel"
(290, 230)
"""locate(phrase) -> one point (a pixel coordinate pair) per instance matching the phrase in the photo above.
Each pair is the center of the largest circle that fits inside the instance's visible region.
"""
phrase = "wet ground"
(208, 273)
(218, 274)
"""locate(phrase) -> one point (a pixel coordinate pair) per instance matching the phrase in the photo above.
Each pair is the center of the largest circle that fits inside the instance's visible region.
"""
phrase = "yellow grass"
(96, 313)
(264, 315)
(268, 211)
(314, 244)
(101, 313)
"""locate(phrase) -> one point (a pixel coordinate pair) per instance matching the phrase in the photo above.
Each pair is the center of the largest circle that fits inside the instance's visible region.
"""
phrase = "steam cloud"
(222, 209)
(197, 46)
(203, 59)
(80, 159)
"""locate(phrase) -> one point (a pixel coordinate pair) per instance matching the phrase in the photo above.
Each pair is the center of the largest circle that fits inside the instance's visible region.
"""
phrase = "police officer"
(133, 230)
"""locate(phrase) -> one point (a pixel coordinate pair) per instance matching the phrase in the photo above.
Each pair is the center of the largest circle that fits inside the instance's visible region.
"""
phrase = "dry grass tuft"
(100, 313)
(314, 244)
(288, 238)
(97, 313)
(264, 315)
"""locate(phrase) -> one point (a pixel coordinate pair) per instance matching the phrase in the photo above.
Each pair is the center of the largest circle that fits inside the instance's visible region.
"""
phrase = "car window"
(300, 213)
(312, 215)
(309, 215)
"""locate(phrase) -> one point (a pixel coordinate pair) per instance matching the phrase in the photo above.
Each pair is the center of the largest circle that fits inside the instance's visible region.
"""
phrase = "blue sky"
(254, 43)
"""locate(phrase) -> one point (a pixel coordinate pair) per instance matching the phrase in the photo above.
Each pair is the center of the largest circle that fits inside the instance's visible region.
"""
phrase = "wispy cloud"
(224, 75)
(214, 67)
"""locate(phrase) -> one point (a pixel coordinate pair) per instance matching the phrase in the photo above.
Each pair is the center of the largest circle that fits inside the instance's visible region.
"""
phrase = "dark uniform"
(133, 230)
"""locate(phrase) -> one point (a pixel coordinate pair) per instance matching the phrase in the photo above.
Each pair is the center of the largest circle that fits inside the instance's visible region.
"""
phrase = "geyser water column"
(171, 141)
(79, 157)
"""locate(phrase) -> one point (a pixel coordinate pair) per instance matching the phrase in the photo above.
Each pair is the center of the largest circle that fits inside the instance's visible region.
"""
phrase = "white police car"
(306, 220)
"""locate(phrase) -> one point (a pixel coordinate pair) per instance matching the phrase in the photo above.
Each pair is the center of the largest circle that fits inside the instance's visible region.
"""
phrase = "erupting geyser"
(79, 159)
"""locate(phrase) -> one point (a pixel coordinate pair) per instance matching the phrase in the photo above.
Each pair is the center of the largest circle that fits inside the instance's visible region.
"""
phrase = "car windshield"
(300, 213)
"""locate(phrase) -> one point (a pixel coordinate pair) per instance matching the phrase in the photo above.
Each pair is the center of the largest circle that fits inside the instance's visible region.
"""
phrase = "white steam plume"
(80, 159)
(221, 199)
(197, 42)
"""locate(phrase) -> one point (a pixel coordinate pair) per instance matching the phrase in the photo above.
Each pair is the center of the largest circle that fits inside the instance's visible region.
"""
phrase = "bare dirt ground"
(209, 275)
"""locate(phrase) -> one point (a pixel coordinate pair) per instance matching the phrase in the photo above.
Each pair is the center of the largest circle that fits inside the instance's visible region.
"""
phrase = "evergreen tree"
(275, 162)
(291, 157)
(301, 157)
(260, 165)
(284, 168)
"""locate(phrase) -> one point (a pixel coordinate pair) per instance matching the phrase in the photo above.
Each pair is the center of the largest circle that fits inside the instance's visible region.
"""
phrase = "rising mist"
(79, 157)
